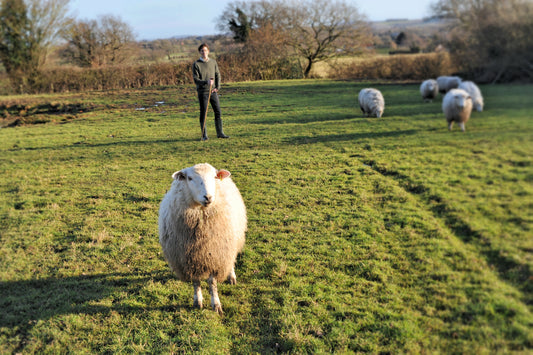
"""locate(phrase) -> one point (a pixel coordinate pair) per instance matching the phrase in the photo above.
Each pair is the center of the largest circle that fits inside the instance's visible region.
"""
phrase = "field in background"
(321, 70)
(365, 235)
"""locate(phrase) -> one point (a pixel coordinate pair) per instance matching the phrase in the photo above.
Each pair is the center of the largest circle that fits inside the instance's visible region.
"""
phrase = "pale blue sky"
(152, 19)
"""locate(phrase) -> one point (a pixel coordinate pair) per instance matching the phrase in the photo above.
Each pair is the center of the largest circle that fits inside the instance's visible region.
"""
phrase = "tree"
(240, 26)
(28, 30)
(491, 39)
(315, 30)
(96, 43)
(82, 47)
(13, 26)
(256, 14)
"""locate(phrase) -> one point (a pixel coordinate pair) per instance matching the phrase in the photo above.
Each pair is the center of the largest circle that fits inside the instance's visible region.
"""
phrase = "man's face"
(204, 52)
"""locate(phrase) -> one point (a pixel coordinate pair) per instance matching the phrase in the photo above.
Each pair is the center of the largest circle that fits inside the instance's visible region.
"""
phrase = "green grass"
(387, 235)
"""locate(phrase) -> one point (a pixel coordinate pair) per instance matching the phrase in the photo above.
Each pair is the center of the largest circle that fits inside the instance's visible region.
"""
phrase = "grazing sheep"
(472, 89)
(446, 83)
(371, 102)
(429, 89)
(457, 106)
(202, 223)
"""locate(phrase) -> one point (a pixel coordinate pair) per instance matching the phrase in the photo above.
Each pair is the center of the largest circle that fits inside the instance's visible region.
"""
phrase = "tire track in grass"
(517, 274)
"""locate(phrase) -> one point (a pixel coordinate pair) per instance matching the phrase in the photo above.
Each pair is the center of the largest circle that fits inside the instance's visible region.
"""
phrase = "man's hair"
(202, 46)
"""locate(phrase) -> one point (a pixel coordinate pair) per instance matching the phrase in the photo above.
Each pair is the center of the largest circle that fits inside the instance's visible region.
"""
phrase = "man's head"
(204, 50)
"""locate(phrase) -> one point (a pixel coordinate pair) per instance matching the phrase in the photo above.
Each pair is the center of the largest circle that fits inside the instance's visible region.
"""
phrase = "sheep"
(429, 89)
(472, 89)
(202, 226)
(457, 106)
(446, 83)
(371, 102)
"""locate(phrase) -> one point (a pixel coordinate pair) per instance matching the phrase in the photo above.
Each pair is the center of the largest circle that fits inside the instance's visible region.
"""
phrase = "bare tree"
(28, 30)
(116, 39)
(82, 48)
(318, 30)
(95, 43)
(491, 39)
(315, 30)
(256, 14)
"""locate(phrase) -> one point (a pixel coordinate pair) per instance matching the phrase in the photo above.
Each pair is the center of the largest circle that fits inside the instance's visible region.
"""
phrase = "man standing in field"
(207, 79)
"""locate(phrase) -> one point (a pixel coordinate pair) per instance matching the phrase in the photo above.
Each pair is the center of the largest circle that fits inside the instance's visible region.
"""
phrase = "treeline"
(485, 41)
(236, 68)
(233, 68)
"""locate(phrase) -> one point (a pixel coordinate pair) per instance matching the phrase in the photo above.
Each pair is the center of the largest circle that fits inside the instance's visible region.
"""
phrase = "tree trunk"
(308, 68)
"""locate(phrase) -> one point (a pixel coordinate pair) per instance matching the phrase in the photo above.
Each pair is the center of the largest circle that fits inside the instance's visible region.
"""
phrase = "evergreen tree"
(240, 26)
(15, 49)
(28, 29)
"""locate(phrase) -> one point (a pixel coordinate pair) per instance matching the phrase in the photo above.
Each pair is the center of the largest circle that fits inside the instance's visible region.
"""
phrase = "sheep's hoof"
(232, 280)
(218, 308)
(197, 304)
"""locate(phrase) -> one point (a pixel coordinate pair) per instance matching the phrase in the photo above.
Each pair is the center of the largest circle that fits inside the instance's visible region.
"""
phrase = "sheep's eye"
(189, 178)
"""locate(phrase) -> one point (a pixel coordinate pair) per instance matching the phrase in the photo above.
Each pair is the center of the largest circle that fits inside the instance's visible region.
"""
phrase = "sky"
(159, 19)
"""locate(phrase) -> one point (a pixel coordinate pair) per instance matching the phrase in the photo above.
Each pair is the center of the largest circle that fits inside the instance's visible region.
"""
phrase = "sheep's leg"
(232, 278)
(198, 298)
(462, 125)
(450, 124)
(215, 301)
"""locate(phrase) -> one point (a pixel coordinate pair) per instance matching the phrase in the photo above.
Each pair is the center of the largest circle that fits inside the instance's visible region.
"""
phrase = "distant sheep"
(371, 102)
(202, 225)
(446, 83)
(429, 89)
(472, 89)
(457, 107)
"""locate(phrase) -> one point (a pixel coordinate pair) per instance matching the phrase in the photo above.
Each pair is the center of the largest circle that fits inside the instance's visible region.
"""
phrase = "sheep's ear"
(222, 174)
(179, 175)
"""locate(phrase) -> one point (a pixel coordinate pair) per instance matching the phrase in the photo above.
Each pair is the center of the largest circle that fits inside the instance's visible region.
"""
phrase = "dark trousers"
(215, 105)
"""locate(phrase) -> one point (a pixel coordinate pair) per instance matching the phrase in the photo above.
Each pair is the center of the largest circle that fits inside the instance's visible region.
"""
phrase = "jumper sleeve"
(217, 77)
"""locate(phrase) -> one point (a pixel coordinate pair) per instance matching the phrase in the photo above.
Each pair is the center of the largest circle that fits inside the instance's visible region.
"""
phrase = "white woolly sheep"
(472, 89)
(446, 83)
(457, 106)
(429, 89)
(202, 225)
(371, 102)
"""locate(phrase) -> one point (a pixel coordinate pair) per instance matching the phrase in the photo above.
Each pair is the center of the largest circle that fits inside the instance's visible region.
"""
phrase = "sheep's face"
(460, 100)
(201, 181)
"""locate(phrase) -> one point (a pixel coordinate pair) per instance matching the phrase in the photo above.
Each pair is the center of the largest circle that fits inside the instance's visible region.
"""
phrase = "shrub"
(234, 67)
(397, 67)
(73, 79)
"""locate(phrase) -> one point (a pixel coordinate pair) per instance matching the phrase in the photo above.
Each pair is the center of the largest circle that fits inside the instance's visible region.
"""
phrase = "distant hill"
(426, 25)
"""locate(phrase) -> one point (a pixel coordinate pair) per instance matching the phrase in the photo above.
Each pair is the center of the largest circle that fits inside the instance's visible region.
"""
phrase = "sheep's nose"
(208, 199)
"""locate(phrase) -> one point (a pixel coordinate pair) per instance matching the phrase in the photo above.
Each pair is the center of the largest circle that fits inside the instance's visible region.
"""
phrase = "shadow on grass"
(266, 321)
(302, 118)
(347, 137)
(25, 302)
(114, 143)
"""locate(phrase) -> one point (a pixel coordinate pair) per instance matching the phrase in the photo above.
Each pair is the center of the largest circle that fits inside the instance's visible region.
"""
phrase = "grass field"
(386, 235)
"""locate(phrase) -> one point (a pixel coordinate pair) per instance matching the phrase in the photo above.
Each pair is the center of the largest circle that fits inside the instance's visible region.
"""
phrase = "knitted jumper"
(203, 71)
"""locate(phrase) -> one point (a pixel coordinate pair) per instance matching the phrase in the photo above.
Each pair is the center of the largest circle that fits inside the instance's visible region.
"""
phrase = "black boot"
(204, 134)
(218, 126)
